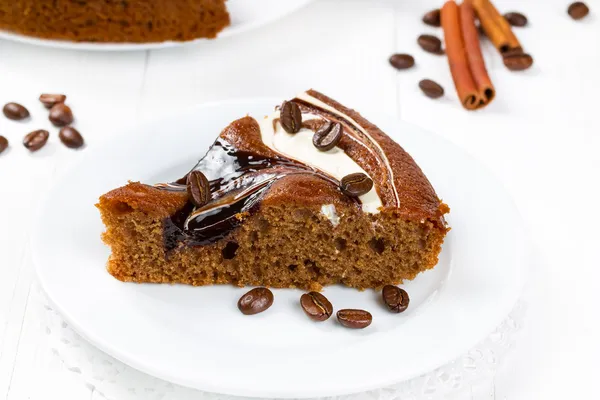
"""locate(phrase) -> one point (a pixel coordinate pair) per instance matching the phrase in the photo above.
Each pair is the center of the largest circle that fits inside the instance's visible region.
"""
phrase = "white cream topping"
(316, 102)
(328, 210)
(299, 147)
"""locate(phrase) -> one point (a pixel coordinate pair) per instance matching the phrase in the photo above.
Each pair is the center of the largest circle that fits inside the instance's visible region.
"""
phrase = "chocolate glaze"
(238, 180)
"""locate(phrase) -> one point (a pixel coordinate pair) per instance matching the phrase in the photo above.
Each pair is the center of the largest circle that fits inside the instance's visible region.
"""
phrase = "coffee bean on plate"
(433, 18)
(15, 111)
(578, 10)
(3, 143)
(395, 298)
(60, 115)
(316, 306)
(355, 319)
(516, 18)
(518, 62)
(71, 137)
(198, 188)
(35, 140)
(255, 301)
(402, 61)
(49, 99)
(431, 89)
(430, 43)
(356, 184)
(290, 117)
(327, 136)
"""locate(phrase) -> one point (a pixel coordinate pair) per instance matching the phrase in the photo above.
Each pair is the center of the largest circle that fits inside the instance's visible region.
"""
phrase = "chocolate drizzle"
(238, 181)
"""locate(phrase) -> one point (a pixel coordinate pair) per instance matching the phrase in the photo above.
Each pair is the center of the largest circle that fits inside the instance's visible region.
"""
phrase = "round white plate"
(195, 336)
(245, 15)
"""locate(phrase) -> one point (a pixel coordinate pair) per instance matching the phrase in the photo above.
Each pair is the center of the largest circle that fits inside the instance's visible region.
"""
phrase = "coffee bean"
(316, 306)
(3, 143)
(49, 100)
(255, 301)
(198, 188)
(512, 52)
(355, 319)
(431, 88)
(578, 10)
(291, 117)
(328, 136)
(402, 61)
(35, 140)
(430, 44)
(516, 19)
(15, 111)
(395, 298)
(71, 137)
(355, 185)
(433, 18)
(61, 115)
(518, 62)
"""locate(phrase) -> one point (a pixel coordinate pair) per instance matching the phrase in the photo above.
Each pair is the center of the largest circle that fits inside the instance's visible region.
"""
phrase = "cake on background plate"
(311, 195)
(115, 21)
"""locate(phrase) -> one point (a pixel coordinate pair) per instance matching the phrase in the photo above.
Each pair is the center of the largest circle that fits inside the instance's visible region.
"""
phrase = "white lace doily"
(117, 381)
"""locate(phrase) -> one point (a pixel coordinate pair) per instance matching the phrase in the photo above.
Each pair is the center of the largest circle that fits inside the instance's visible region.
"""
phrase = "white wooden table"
(541, 136)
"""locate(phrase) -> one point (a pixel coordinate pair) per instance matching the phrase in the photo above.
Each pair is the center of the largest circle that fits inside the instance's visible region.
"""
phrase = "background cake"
(278, 213)
(115, 20)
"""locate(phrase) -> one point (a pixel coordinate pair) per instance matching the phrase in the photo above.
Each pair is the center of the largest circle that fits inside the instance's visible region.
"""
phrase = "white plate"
(245, 15)
(197, 337)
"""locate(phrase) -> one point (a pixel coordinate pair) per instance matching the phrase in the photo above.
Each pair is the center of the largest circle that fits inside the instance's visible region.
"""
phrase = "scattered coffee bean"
(198, 188)
(512, 52)
(255, 301)
(402, 61)
(316, 306)
(433, 18)
(291, 117)
(328, 136)
(49, 100)
(3, 143)
(60, 115)
(395, 298)
(355, 319)
(15, 111)
(430, 43)
(516, 19)
(35, 140)
(356, 184)
(518, 62)
(431, 88)
(578, 10)
(71, 137)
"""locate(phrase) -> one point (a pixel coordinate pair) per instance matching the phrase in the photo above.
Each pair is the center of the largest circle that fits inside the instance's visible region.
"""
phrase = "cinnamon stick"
(495, 26)
(470, 76)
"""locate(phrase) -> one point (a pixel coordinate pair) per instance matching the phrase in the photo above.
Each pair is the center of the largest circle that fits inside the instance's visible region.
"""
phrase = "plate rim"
(263, 392)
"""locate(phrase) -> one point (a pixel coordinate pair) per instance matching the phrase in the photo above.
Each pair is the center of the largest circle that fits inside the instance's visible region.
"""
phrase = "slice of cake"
(132, 21)
(311, 195)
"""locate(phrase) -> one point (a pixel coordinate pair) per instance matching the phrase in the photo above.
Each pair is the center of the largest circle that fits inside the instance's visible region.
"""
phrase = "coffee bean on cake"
(198, 188)
(430, 43)
(291, 117)
(316, 306)
(49, 99)
(60, 115)
(578, 10)
(327, 136)
(354, 319)
(3, 143)
(433, 18)
(15, 111)
(35, 140)
(431, 89)
(402, 61)
(518, 62)
(395, 299)
(71, 137)
(356, 184)
(516, 18)
(255, 301)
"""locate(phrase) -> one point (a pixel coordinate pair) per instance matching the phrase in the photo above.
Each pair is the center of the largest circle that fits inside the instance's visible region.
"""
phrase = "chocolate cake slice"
(311, 195)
